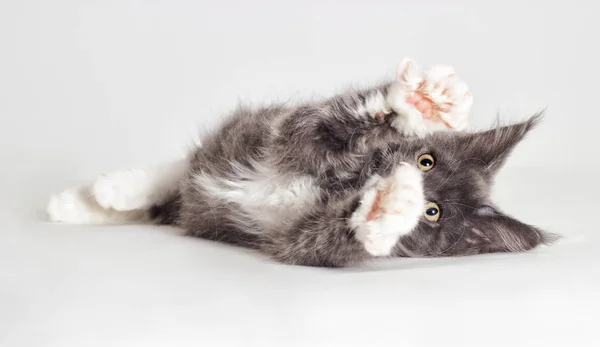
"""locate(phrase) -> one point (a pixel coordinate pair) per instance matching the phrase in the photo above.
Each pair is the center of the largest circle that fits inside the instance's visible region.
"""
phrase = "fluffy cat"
(370, 173)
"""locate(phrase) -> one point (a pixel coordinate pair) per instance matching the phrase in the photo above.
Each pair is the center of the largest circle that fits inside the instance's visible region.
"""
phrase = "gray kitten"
(363, 174)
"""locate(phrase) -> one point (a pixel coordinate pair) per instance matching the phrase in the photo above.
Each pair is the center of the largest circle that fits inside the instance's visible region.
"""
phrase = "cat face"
(459, 218)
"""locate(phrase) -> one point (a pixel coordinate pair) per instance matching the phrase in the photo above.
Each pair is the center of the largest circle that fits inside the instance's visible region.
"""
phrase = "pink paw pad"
(437, 94)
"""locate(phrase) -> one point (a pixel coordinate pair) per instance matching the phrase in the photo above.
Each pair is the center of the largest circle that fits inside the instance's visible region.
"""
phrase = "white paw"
(74, 205)
(125, 190)
(390, 207)
(435, 100)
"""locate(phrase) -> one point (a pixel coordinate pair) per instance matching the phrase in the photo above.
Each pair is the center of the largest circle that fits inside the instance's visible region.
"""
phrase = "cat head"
(460, 217)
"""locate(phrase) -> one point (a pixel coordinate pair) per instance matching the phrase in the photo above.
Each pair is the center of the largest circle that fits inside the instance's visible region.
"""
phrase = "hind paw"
(124, 190)
(74, 205)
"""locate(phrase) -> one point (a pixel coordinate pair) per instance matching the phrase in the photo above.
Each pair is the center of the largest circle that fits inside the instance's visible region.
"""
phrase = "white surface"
(88, 87)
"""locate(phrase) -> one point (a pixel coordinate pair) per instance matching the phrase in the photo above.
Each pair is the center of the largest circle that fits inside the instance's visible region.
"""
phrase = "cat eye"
(432, 212)
(426, 162)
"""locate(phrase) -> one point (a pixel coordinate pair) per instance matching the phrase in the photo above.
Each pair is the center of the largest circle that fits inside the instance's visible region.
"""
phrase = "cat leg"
(390, 208)
(419, 103)
(77, 206)
(138, 189)
(335, 134)
(320, 237)
(122, 196)
(363, 224)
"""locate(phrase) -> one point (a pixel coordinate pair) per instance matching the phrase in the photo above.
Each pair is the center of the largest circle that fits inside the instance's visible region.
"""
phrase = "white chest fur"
(262, 193)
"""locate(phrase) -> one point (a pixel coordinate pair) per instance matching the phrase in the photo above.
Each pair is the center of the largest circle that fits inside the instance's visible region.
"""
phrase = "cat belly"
(264, 195)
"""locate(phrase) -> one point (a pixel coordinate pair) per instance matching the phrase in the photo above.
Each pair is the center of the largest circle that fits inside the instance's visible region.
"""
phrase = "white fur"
(77, 206)
(457, 93)
(409, 120)
(402, 208)
(262, 193)
(138, 189)
(118, 197)
(374, 103)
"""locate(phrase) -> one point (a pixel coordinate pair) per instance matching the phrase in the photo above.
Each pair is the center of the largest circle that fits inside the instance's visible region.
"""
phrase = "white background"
(93, 86)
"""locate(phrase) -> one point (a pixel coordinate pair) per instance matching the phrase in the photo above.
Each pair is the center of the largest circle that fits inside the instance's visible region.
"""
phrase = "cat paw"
(390, 207)
(74, 205)
(429, 101)
(124, 190)
(78, 206)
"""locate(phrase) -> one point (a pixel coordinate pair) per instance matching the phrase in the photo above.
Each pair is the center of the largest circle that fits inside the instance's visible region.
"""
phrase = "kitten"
(364, 174)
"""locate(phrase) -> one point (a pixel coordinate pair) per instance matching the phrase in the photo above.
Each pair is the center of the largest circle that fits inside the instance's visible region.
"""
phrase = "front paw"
(435, 100)
(390, 207)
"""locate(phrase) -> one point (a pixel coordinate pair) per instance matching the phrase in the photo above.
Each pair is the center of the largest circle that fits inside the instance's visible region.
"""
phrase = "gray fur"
(340, 150)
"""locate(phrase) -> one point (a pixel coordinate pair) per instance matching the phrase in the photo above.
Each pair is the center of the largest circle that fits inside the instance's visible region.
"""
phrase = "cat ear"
(492, 147)
(497, 232)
